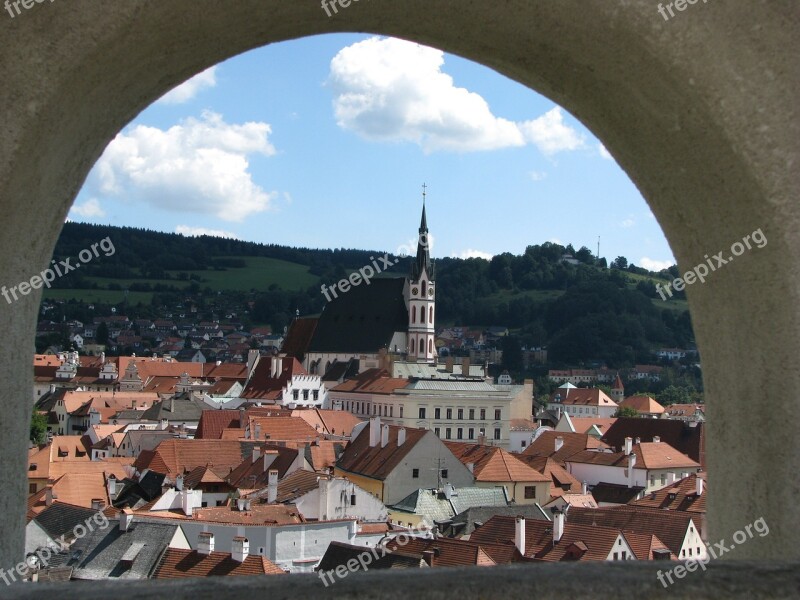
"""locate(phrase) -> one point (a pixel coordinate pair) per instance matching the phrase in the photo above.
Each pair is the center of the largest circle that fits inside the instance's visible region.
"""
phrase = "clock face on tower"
(415, 291)
(430, 292)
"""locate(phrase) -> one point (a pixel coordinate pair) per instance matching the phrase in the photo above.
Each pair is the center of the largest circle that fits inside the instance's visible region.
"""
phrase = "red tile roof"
(175, 456)
(377, 462)
(212, 423)
(177, 563)
(334, 422)
(262, 385)
(372, 381)
(544, 445)
(643, 404)
(493, 464)
(682, 495)
(298, 337)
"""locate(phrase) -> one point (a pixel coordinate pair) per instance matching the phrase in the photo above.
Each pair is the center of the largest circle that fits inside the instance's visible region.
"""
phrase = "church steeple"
(423, 260)
(421, 298)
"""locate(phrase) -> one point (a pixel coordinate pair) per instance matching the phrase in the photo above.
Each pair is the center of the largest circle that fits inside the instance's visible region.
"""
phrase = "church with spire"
(392, 316)
(420, 294)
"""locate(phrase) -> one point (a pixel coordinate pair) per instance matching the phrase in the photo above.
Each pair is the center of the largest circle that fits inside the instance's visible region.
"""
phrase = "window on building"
(430, 315)
(652, 480)
(496, 414)
(616, 556)
(624, 555)
(422, 314)
(460, 433)
(437, 431)
(483, 414)
(445, 473)
(305, 394)
(424, 289)
(690, 551)
(391, 410)
(471, 414)
(422, 413)
(415, 473)
(32, 488)
(316, 395)
(530, 492)
(449, 414)
(448, 433)
(437, 413)
(663, 479)
(352, 499)
(497, 434)
(471, 433)
(413, 314)
(460, 414)
(523, 443)
(296, 394)
(401, 412)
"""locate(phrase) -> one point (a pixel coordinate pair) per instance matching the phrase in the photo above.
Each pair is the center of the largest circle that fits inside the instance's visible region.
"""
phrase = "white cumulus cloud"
(191, 87)
(655, 265)
(538, 175)
(198, 231)
(89, 209)
(629, 222)
(470, 253)
(199, 165)
(392, 90)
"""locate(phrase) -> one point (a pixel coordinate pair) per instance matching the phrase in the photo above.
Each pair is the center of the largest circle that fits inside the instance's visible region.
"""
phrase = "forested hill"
(582, 311)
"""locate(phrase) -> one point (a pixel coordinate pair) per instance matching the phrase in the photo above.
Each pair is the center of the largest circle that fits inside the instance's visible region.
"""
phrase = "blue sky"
(325, 142)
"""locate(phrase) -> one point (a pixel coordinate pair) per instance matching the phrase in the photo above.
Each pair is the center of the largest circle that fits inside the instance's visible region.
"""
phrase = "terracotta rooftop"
(297, 484)
(262, 385)
(177, 563)
(282, 429)
(333, 422)
(582, 397)
(562, 480)
(175, 456)
(544, 445)
(682, 436)
(682, 496)
(493, 464)
(372, 381)
(377, 462)
(643, 404)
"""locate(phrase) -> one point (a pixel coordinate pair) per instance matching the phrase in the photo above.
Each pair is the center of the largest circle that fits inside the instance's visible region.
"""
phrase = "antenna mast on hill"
(598, 247)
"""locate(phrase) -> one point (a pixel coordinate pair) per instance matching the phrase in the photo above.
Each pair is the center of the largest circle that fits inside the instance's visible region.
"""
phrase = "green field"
(259, 274)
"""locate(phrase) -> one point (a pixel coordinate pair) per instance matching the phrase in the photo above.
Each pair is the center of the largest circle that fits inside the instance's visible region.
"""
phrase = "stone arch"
(697, 110)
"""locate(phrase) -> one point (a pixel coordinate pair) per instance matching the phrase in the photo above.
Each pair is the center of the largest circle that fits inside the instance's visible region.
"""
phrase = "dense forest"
(585, 312)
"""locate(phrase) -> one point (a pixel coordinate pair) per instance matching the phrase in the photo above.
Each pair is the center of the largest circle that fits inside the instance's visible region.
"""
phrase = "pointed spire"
(423, 261)
(618, 384)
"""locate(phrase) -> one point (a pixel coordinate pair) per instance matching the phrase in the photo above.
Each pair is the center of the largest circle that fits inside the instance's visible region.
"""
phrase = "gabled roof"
(176, 456)
(492, 463)
(262, 385)
(642, 404)
(434, 505)
(544, 445)
(682, 496)
(680, 435)
(669, 526)
(99, 554)
(297, 484)
(257, 514)
(454, 553)
(340, 553)
(182, 407)
(615, 493)
(298, 337)
(363, 320)
(377, 462)
(561, 479)
(467, 521)
(252, 473)
(582, 397)
(60, 518)
(177, 563)
(334, 422)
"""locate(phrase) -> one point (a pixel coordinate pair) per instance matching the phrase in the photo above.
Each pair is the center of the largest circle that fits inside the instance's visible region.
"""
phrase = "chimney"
(242, 416)
(427, 556)
(519, 534)
(448, 364)
(186, 502)
(384, 436)
(638, 440)
(481, 438)
(97, 504)
(628, 446)
(257, 432)
(374, 431)
(205, 543)
(102, 358)
(559, 443)
(656, 439)
(401, 436)
(172, 404)
(465, 366)
(449, 490)
(252, 357)
(584, 488)
(324, 493)
(269, 458)
(256, 453)
(272, 486)
(48, 496)
(179, 482)
(631, 465)
(111, 484)
(240, 548)
(164, 424)
(558, 524)
(125, 519)
(699, 484)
